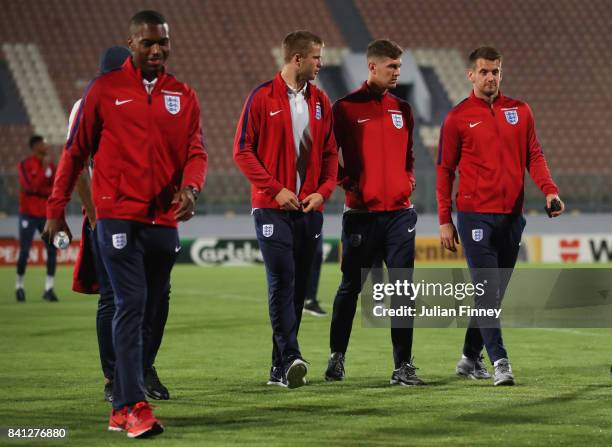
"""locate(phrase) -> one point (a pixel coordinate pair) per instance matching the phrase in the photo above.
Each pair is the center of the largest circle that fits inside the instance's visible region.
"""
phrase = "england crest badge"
(512, 116)
(477, 234)
(318, 113)
(398, 120)
(119, 240)
(173, 104)
(267, 230)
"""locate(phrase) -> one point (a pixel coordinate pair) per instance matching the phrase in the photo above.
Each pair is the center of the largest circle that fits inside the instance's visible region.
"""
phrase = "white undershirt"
(300, 122)
(149, 85)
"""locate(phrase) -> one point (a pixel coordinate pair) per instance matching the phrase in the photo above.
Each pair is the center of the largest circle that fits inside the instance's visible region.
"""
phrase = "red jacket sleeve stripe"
(245, 114)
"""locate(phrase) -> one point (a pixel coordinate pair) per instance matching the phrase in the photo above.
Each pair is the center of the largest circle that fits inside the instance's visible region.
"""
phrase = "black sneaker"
(108, 392)
(277, 377)
(20, 295)
(405, 375)
(335, 367)
(153, 387)
(50, 296)
(312, 307)
(296, 373)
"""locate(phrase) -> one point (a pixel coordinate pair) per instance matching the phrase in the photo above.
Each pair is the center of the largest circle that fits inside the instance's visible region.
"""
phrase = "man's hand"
(91, 217)
(287, 200)
(549, 199)
(449, 237)
(54, 226)
(186, 204)
(313, 202)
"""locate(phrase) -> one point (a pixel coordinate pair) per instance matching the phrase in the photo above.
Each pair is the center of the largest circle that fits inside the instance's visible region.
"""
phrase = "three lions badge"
(173, 104)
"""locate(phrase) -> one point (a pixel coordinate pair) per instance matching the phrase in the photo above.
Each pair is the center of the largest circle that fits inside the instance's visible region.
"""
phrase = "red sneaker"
(118, 419)
(141, 423)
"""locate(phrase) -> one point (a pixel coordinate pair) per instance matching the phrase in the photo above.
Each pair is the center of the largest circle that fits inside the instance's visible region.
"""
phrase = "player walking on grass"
(491, 138)
(90, 274)
(373, 129)
(142, 128)
(285, 146)
(36, 174)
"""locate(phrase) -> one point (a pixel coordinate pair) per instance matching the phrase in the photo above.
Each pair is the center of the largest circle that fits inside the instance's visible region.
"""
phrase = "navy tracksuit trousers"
(287, 240)
(364, 237)
(491, 245)
(27, 227)
(312, 287)
(138, 259)
(106, 312)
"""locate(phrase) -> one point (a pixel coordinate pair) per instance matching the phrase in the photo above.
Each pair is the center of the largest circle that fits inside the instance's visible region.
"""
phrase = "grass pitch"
(215, 360)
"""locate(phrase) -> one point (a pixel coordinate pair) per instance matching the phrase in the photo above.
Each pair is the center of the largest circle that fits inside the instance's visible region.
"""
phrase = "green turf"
(215, 359)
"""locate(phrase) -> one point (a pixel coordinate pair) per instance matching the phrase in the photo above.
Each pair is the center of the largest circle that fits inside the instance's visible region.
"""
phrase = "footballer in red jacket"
(141, 126)
(36, 174)
(373, 129)
(285, 146)
(491, 139)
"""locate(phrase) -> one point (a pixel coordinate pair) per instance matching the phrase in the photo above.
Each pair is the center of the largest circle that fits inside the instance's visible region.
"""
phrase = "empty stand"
(223, 49)
(556, 57)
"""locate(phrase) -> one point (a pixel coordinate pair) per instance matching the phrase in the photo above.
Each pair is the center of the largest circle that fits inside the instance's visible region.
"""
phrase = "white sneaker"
(503, 373)
(296, 373)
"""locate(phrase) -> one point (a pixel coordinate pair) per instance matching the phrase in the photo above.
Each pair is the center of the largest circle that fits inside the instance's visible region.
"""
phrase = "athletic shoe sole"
(313, 313)
(154, 430)
(296, 373)
(471, 376)
(157, 396)
(115, 428)
(276, 383)
(464, 374)
(399, 382)
(504, 382)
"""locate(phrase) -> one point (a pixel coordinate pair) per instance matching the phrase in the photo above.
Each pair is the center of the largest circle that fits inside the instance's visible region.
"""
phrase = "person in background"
(36, 175)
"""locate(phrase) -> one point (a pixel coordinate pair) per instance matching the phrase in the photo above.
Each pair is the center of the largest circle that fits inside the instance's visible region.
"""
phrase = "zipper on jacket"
(150, 103)
(500, 157)
(384, 158)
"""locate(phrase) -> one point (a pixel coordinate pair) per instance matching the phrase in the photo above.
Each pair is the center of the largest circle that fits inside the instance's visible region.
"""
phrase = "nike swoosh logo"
(317, 236)
(118, 103)
(363, 120)
(177, 249)
(475, 124)
(410, 230)
(274, 113)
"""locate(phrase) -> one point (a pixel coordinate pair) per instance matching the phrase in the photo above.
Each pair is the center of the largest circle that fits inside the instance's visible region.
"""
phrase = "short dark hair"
(299, 42)
(488, 53)
(384, 48)
(148, 17)
(34, 140)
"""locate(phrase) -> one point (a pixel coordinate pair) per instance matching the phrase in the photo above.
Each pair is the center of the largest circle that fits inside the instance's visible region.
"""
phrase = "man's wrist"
(194, 192)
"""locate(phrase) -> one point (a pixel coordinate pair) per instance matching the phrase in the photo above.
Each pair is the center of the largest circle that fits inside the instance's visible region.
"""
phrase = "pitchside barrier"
(550, 248)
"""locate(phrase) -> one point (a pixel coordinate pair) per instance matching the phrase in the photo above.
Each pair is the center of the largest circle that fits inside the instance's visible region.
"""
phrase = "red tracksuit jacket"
(145, 147)
(36, 183)
(492, 145)
(264, 148)
(374, 134)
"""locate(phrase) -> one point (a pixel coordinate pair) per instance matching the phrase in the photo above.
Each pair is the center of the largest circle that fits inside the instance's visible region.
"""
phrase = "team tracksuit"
(36, 182)
(145, 148)
(492, 145)
(374, 134)
(264, 150)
